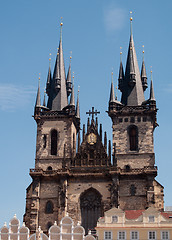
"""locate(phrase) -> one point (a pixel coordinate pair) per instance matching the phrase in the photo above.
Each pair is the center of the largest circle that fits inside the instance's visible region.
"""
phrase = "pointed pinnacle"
(38, 98)
(77, 106)
(152, 96)
(72, 98)
(112, 94)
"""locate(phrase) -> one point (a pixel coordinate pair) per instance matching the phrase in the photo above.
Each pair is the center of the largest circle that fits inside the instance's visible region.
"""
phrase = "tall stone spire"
(143, 74)
(112, 94)
(132, 92)
(58, 93)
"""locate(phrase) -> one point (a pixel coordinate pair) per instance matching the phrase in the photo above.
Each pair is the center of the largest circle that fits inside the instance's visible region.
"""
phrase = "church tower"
(57, 126)
(133, 124)
(75, 175)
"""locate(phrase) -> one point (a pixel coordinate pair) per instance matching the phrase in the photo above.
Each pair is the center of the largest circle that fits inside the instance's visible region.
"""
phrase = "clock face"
(92, 138)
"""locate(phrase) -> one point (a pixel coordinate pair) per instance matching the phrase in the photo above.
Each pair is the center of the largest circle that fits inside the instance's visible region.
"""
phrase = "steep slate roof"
(132, 93)
(57, 93)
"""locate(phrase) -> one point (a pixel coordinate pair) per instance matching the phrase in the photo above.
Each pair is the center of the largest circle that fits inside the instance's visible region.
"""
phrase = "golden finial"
(143, 48)
(50, 57)
(131, 18)
(78, 89)
(70, 56)
(151, 70)
(61, 23)
(39, 77)
(120, 51)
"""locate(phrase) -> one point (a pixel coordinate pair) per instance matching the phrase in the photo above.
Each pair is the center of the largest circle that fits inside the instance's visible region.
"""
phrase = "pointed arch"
(133, 138)
(91, 208)
(54, 142)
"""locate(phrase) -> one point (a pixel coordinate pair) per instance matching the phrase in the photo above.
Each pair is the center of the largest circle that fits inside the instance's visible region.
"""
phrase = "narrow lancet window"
(54, 142)
(49, 207)
(133, 138)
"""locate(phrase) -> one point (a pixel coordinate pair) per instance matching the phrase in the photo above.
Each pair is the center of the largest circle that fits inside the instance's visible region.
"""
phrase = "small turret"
(112, 94)
(49, 79)
(38, 101)
(121, 75)
(152, 100)
(77, 107)
(143, 74)
(72, 98)
(68, 80)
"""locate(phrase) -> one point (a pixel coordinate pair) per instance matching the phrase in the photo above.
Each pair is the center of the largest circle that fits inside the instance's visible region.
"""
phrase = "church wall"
(145, 135)
(77, 186)
(66, 130)
(48, 191)
(126, 200)
(144, 155)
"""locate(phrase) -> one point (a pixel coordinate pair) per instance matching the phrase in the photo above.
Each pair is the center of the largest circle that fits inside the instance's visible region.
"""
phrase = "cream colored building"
(135, 225)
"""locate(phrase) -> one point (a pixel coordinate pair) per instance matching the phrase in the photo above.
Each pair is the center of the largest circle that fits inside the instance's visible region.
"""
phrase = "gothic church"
(75, 173)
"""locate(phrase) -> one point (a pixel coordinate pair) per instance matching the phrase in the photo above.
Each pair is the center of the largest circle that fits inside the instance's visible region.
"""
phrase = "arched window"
(49, 168)
(133, 138)
(54, 142)
(91, 208)
(127, 168)
(49, 207)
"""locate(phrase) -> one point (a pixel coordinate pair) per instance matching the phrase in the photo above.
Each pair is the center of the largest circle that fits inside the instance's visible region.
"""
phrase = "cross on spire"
(93, 113)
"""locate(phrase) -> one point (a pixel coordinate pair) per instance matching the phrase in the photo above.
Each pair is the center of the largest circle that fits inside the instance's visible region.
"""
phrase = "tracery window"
(54, 142)
(49, 207)
(133, 138)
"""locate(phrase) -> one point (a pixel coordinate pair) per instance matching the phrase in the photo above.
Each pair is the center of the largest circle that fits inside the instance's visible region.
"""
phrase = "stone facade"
(84, 179)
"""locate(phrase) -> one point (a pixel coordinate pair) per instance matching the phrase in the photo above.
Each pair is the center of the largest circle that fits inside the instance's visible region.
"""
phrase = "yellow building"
(135, 225)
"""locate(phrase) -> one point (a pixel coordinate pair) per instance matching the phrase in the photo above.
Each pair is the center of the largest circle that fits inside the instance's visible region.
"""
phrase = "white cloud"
(114, 18)
(14, 97)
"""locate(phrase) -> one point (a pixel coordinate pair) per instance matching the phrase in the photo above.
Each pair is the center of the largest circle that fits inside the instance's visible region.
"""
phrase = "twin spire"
(58, 87)
(132, 84)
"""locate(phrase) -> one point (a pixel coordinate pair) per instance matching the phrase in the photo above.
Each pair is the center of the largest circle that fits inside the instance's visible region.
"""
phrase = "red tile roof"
(166, 214)
(133, 214)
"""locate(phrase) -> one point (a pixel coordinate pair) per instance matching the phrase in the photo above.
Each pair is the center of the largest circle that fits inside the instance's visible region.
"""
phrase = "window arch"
(49, 168)
(133, 138)
(54, 142)
(49, 207)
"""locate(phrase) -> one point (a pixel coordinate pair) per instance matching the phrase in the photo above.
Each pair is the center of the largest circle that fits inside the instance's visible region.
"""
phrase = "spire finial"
(61, 25)
(50, 60)
(121, 54)
(143, 51)
(131, 19)
(70, 56)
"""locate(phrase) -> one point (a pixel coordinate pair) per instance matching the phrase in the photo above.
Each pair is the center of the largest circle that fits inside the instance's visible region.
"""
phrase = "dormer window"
(151, 219)
(114, 219)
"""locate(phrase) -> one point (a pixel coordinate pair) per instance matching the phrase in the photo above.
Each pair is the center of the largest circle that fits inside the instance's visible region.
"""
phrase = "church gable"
(92, 151)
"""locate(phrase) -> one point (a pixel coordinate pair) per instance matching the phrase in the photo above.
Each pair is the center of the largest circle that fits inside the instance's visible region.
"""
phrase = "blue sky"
(94, 31)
